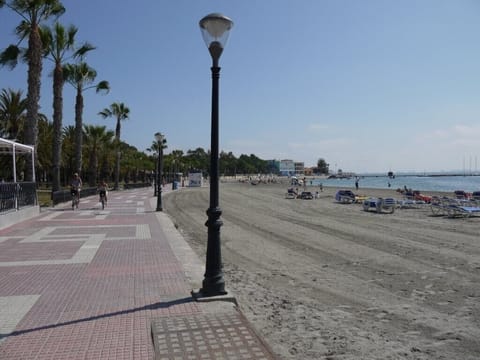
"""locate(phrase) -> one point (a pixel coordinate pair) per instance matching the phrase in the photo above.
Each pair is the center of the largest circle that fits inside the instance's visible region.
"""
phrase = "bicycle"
(75, 198)
(103, 198)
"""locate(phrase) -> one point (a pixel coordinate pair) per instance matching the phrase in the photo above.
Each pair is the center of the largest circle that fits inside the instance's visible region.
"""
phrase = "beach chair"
(345, 196)
(462, 211)
(461, 207)
(359, 199)
(380, 204)
(476, 195)
(290, 194)
(439, 205)
(410, 203)
(460, 194)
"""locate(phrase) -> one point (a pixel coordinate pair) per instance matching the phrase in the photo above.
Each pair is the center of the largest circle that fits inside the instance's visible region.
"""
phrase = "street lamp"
(215, 29)
(159, 138)
(155, 179)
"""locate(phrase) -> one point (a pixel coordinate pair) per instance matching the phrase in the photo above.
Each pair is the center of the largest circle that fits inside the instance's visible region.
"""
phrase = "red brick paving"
(97, 310)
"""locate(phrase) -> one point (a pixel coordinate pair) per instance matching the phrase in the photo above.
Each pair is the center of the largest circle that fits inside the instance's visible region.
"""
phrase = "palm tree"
(12, 113)
(44, 148)
(95, 138)
(107, 159)
(33, 14)
(68, 152)
(120, 112)
(81, 76)
(177, 163)
(197, 159)
(155, 148)
(59, 45)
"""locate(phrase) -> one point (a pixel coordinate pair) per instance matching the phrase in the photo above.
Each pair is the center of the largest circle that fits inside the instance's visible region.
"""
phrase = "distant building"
(287, 167)
(308, 171)
(299, 168)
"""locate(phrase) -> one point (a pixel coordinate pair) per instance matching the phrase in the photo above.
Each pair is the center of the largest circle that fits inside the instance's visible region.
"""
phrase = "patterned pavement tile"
(12, 310)
(207, 336)
(87, 284)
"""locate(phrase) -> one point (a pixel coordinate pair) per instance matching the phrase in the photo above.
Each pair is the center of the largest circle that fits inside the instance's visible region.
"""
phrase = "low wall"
(15, 216)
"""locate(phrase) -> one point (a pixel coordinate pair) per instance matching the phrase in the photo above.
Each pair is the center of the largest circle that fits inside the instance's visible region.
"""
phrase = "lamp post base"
(159, 202)
(212, 286)
(200, 297)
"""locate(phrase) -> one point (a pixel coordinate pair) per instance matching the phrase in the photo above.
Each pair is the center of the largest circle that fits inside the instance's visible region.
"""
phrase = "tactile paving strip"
(206, 337)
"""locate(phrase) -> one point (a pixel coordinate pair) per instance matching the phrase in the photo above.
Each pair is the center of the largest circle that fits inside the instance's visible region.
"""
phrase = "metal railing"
(14, 196)
(127, 186)
(65, 195)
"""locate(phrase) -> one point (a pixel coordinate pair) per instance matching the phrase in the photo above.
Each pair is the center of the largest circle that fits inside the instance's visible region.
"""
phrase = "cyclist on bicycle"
(102, 191)
(75, 187)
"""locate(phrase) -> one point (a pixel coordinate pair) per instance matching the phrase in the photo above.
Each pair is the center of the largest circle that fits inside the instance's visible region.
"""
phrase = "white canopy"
(12, 147)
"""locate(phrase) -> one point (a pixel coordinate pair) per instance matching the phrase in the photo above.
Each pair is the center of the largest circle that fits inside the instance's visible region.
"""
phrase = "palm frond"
(105, 113)
(9, 57)
(103, 86)
(23, 29)
(82, 50)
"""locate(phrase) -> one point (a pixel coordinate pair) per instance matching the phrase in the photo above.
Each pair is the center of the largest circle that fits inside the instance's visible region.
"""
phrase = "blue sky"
(367, 85)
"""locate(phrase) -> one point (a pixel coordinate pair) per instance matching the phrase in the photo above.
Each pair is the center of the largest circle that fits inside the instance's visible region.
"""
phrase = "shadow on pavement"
(155, 306)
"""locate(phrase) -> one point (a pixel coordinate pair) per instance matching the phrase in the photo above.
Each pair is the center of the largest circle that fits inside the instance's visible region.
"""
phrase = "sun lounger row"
(452, 207)
(455, 207)
(380, 204)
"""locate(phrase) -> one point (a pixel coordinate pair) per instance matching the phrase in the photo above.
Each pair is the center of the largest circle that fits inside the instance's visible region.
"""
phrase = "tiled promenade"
(101, 284)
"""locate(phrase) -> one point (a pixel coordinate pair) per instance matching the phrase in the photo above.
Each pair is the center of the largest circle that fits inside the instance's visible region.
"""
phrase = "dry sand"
(322, 280)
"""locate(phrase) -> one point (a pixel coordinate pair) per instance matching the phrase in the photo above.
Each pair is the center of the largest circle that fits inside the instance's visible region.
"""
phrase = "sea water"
(422, 183)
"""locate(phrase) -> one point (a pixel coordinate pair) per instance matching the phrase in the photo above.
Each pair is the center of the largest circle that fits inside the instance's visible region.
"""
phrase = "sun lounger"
(379, 204)
(359, 199)
(454, 207)
(410, 203)
(462, 211)
(345, 196)
(290, 194)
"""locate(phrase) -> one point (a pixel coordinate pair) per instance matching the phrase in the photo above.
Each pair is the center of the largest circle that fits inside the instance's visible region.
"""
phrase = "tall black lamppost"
(155, 179)
(215, 30)
(159, 138)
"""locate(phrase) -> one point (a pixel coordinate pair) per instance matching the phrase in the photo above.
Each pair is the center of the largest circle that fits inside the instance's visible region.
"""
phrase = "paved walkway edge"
(221, 332)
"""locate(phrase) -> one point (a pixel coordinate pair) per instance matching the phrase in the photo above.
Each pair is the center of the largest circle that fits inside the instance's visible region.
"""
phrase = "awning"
(12, 147)
(9, 147)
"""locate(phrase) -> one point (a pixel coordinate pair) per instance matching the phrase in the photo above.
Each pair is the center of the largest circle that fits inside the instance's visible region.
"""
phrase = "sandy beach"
(323, 280)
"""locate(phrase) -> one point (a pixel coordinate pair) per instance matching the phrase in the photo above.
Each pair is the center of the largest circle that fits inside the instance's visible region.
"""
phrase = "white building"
(287, 167)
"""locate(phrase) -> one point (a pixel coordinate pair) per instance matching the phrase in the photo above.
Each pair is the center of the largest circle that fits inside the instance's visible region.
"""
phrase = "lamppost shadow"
(155, 306)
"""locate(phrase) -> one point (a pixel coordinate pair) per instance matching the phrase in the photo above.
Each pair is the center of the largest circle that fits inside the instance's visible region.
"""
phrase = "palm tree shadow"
(155, 306)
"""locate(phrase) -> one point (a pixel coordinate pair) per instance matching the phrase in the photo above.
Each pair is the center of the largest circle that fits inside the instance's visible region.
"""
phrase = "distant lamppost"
(155, 179)
(159, 138)
(215, 29)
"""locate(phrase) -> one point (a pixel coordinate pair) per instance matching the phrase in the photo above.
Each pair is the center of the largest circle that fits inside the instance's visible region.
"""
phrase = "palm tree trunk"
(93, 168)
(117, 169)
(117, 163)
(57, 126)
(78, 131)
(33, 96)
